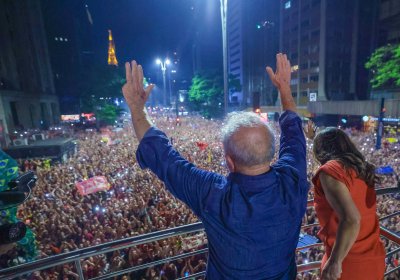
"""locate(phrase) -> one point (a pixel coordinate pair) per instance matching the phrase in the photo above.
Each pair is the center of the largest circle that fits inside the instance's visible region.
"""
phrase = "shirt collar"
(250, 181)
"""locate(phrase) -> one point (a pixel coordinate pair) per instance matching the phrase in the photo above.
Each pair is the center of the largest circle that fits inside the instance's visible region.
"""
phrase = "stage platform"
(56, 149)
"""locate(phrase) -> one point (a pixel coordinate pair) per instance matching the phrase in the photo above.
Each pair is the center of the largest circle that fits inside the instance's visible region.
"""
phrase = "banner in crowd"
(93, 185)
(106, 139)
(392, 140)
(384, 170)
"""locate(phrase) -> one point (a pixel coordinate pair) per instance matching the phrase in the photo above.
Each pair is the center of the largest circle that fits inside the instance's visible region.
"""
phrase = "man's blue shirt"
(252, 222)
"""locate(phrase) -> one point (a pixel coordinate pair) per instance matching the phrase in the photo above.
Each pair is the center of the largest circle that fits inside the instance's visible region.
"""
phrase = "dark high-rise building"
(27, 93)
(253, 41)
(389, 22)
(68, 25)
(235, 46)
(328, 43)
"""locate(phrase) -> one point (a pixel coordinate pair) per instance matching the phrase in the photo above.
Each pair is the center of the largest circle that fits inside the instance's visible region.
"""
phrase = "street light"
(163, 69)
(173, 71)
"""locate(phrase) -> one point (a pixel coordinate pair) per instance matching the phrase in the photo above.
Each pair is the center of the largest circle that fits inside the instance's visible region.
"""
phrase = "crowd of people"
(137, 202)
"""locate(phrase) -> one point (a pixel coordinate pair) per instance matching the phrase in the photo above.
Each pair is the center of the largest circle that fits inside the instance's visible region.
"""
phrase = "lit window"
(66, 39)
(55, 38)
(61, 39)
(288, 5)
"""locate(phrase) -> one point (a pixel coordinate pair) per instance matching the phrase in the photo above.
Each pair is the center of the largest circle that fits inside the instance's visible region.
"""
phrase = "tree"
(108, 114)
(384, 64)
(207, 92)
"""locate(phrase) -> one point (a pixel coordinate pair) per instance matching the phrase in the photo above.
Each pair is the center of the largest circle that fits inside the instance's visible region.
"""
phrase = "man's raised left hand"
(134, 92)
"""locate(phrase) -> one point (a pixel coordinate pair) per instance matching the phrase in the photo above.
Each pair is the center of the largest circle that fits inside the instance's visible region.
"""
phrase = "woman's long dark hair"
(334, 144)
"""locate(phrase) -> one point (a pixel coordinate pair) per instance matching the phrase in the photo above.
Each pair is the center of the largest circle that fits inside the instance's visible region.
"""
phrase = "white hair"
(247, 154)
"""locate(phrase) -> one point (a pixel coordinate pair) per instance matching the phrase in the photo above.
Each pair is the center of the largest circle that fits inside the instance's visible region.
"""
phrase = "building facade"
(389, 22)
(328, 43)
(235, 47)
(27, 92)
(253, 41)
(68, 27)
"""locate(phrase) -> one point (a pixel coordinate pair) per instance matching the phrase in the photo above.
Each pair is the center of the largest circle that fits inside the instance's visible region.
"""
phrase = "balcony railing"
(78, 255)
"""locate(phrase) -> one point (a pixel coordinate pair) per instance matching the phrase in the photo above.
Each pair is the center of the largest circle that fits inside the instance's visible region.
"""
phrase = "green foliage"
(384, 64)
(108, 114)
(207, 92)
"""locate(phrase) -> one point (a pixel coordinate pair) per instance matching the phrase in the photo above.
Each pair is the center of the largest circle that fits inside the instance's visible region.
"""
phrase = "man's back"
(252, 222)
(252, 229)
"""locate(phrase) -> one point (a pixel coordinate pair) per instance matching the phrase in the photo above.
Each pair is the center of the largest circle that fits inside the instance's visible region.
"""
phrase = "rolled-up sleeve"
(182, 178)
(292, 149)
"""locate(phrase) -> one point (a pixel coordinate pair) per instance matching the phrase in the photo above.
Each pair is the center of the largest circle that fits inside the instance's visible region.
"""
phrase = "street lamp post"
(164, 69)
(175, 92)
(224, 10)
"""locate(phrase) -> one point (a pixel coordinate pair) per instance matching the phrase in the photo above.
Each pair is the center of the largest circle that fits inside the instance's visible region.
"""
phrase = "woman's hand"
(332, 270)
(310, 130)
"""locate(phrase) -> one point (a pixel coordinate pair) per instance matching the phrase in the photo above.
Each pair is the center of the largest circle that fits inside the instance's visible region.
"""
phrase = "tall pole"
(380, 125)
(177, 104)
(163, 68)
(224, 9)
(170, 88)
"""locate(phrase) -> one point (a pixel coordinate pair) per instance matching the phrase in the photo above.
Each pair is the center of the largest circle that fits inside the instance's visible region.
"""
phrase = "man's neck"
(253, 170)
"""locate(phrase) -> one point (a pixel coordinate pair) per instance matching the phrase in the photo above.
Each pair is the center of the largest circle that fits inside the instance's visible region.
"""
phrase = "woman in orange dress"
(345, 203)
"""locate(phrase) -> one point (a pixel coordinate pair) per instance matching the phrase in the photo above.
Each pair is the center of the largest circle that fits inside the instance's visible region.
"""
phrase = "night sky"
(147, 29)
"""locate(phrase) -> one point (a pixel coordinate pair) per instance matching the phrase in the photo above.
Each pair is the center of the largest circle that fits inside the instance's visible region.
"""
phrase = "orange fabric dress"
(366, 259)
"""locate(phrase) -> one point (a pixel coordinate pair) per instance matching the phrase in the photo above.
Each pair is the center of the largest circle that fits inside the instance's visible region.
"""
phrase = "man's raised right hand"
(281, 77)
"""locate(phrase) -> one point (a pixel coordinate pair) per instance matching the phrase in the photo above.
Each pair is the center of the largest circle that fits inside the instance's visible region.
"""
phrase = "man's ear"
(230, 163)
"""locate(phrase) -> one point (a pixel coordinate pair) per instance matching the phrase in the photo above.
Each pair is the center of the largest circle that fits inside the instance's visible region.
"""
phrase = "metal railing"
(152, 264)
(78, 255)
(390, 216)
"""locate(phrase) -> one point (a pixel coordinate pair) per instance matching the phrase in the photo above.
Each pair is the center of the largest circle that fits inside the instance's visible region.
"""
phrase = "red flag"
(202, 145)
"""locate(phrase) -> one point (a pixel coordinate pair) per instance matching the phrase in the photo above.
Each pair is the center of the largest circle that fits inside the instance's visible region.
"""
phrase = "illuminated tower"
(112, 58)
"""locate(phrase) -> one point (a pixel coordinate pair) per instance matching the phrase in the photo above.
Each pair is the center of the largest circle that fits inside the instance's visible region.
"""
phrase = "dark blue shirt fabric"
(252, 222)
